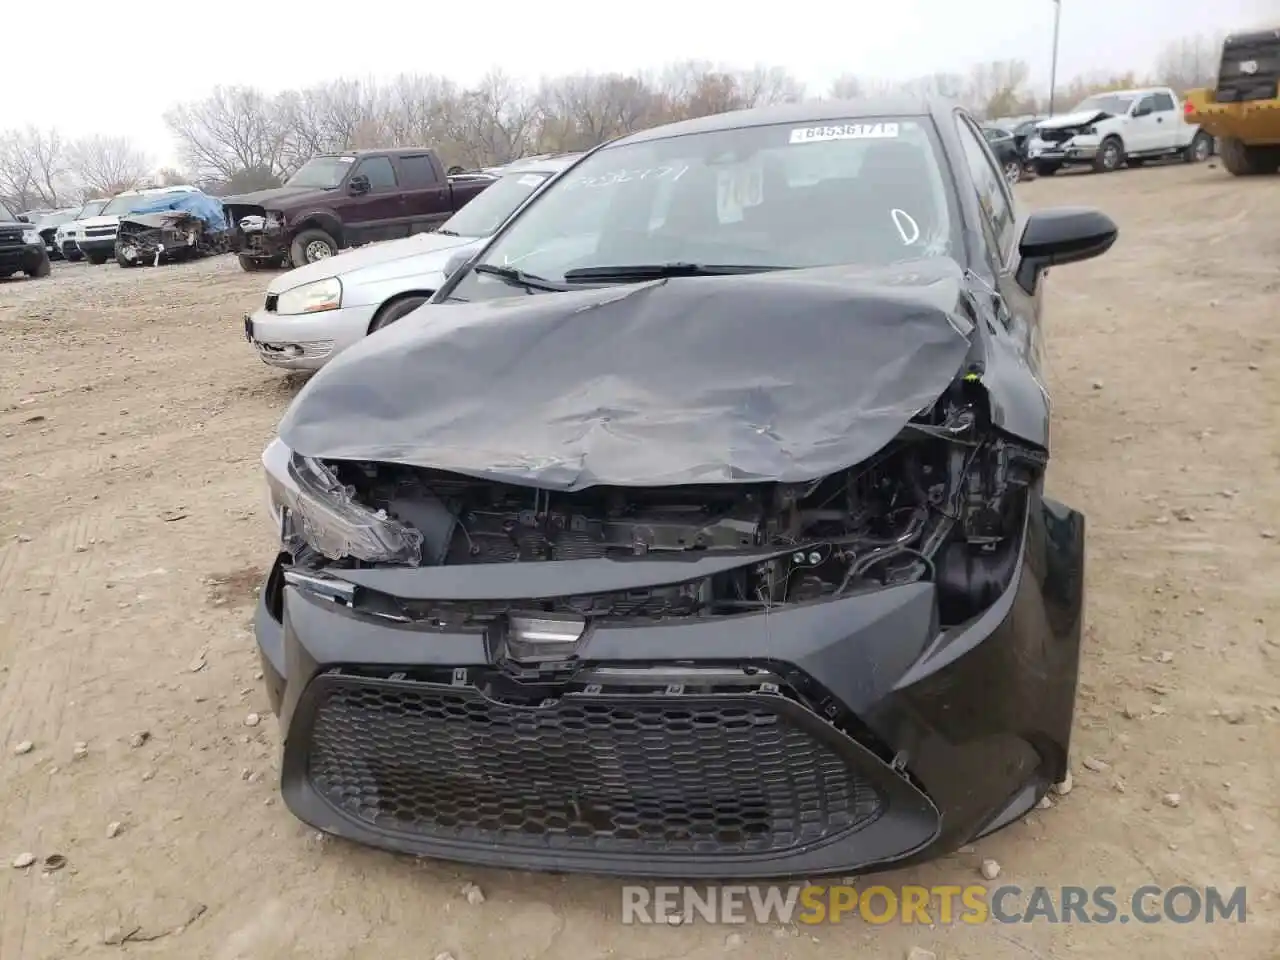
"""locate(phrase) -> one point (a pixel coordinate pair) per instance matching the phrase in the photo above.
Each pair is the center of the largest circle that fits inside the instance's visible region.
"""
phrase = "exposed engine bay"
(945, 502)
(150, 238)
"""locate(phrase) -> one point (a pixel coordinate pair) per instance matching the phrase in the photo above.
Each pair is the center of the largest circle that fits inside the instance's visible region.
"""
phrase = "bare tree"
(996, 88)
(233, 129)
(848, 87)
(33, 169)
(1190, 62)
(496, 121)
(107, 165)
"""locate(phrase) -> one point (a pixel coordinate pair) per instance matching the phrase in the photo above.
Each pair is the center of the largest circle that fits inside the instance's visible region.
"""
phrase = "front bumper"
(92, 245)
(306, 341)
(831, 737)
(1071, 151)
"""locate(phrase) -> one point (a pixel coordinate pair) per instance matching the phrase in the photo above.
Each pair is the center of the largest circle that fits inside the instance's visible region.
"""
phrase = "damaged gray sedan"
(172, 227)
(701, 529)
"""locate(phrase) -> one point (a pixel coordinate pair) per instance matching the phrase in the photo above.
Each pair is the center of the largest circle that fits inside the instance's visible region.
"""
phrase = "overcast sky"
(117, 69)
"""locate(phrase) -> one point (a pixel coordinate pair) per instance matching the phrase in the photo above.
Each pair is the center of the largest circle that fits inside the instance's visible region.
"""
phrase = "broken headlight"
(313, 508)
(315, 297)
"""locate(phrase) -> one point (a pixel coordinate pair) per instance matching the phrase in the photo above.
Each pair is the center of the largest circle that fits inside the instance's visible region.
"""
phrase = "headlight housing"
(32, 237)
(312, 508)
(315, 297)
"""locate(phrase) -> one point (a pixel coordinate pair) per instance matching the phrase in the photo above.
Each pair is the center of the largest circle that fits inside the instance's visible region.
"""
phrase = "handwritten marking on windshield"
(908, 229)
(612, 177)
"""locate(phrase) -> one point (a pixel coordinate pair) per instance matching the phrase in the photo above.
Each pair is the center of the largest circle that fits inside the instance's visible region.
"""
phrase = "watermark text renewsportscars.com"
(946, 904)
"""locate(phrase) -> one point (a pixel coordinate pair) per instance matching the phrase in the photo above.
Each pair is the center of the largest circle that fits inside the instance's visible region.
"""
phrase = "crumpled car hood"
(785, 376)
(1081, 119)
(373, 255)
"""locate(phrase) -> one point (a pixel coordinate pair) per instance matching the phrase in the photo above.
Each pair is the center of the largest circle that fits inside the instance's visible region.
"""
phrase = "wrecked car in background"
(64, 236)
(700, 529)
(336, 201)
(96, 236)
(47, 223)
(313, 313)
(175, 226)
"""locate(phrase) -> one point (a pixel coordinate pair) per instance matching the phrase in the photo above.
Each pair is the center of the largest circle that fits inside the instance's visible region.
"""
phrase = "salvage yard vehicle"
(1111, 130)
(172, 226)
(336, 201)
(313, 313)
(1005, 148)
(1243, 110)
(47, 223)
(21, 247)
(701, 531)
(96, 236)
(64, 236)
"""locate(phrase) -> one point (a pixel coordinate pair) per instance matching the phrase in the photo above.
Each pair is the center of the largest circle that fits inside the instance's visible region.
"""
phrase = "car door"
(379, 213)
(1018, 312)
(1167, 121)
(427, 195)
(1142, 129)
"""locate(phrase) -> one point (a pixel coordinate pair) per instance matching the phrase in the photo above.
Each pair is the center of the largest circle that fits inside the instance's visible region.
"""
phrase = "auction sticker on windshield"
(845, 131)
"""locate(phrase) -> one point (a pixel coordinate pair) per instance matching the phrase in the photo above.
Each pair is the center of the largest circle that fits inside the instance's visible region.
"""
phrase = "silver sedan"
(316, 311)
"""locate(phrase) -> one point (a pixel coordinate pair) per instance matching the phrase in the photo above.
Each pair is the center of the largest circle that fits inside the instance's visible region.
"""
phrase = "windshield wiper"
(519, 278)
(659, 271)
(447, 233)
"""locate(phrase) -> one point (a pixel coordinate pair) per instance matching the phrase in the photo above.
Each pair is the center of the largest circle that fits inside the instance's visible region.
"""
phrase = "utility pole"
(1053, 69)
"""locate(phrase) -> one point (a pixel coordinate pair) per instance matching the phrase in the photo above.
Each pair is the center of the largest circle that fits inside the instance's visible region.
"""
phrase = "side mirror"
(23, 218)
(1142, 110)
(1062, 235)
(457, 260)
(359, 184)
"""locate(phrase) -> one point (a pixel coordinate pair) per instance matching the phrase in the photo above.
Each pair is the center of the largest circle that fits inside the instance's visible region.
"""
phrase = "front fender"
(326, 220)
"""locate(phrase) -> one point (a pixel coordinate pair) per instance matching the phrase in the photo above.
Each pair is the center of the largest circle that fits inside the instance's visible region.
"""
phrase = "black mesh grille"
(644, 775)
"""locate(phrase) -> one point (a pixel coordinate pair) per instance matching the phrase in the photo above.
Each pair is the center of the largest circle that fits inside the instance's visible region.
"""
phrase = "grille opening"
(648, 775)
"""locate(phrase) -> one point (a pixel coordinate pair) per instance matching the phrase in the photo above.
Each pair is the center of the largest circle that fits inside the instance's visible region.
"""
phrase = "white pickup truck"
(1109, 130)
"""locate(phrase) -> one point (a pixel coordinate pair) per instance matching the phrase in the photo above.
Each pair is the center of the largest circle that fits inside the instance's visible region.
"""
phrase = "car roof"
(808, 112)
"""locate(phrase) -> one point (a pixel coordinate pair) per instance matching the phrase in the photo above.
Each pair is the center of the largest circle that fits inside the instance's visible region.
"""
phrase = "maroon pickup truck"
(342, 200)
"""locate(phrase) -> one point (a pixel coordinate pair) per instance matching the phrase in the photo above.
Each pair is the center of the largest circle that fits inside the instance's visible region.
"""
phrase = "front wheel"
(390, 314)
(41, 269)
(1199, 149)
(1110, 155)
(1012, 172)
(310, 246)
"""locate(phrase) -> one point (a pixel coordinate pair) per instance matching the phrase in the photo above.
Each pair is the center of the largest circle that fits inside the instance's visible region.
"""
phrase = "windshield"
(91, 209)
(489, 209)
(321, 173)
(6, 215)
(784, 195)
(1108, 102)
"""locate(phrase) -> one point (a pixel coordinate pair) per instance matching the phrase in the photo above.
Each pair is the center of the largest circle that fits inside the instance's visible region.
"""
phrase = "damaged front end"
(258, 233)
(724, 631)
(944, 502)
(171, 235)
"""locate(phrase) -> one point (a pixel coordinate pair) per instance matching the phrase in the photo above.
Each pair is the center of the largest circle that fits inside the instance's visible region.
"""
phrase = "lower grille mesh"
(645, 775)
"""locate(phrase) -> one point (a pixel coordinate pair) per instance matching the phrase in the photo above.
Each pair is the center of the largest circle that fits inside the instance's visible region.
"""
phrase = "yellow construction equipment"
(1243, 110)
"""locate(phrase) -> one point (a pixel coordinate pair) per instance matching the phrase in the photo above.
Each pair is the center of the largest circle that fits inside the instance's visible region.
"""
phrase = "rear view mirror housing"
(359, 184)
(1062, 235)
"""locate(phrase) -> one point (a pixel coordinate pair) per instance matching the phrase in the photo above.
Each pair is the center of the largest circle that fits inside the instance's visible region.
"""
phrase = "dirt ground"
(132, 537)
